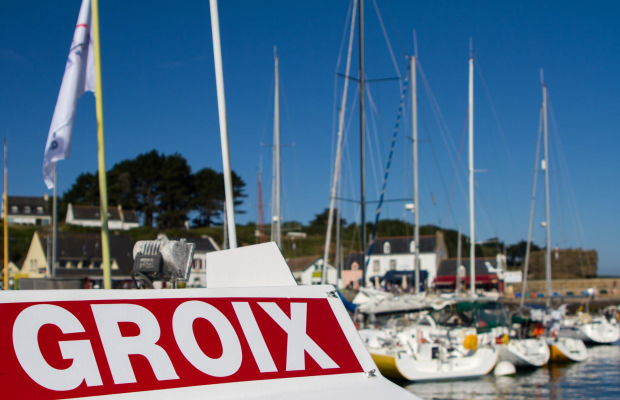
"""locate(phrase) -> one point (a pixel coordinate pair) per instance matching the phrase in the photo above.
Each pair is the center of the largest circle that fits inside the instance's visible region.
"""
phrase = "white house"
(311, 275)
(90, 216)
(28, 210)
(397, 253)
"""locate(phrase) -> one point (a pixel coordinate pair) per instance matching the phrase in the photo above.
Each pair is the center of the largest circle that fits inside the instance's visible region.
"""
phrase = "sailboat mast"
(362, 142)
(470, 120)
(276, 228)
(526, 265)
(545, 167)
(416, 203)
(261, 220)
(335, 189)
(459, 252)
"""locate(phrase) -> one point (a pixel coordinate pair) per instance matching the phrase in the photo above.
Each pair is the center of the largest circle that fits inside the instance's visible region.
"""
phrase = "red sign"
(67, 349)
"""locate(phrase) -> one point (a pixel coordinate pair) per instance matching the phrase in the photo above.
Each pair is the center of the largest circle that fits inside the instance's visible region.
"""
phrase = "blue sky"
(159, 93)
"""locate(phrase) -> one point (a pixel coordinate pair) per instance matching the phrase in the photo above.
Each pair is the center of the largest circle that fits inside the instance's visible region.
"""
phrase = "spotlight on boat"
(162, 260)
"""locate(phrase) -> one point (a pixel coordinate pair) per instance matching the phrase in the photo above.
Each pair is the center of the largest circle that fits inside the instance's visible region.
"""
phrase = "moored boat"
(592, 330)
(565, 349)
(525, 353)
(417, 354)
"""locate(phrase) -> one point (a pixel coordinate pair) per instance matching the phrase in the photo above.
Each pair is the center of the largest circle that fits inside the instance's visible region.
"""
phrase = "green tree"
(208, 196)
(319, 224)
(161, 189)
(84, 191)
(146, 176)
(174, 192)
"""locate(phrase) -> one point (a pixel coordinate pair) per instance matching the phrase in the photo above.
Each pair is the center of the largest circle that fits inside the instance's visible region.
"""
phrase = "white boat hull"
(413, 356)
(525, 353)
(404, 366)
(564, 349)
(597, 330)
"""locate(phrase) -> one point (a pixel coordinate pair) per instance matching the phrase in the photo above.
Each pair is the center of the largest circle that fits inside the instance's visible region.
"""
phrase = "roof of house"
(402, 244)
(94, 213)
(86, 247)
(23, 201)
(352, 258)
(301, 263)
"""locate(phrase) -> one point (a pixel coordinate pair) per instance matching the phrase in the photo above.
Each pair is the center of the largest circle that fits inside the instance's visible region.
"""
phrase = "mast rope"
(387, 39)
(389, 162)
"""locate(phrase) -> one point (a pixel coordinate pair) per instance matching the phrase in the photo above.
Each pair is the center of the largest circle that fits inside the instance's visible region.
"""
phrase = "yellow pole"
(6, 226)
(103, 186)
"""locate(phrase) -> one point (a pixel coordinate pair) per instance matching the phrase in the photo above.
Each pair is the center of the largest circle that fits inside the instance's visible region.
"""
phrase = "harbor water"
(596, 378)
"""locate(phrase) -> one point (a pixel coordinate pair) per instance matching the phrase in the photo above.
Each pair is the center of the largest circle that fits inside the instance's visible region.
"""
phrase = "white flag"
(79, 77)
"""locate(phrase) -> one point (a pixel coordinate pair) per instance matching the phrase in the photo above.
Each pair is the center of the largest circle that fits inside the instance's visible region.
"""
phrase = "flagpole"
(221, 100)
(103, 186)
(54, 224)
(6, 226)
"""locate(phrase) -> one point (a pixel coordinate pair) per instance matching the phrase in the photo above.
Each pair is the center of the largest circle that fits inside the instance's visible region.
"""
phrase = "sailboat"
(562, 348)
(531, 352)
(424, 353)
(422, 349)
(591, 329)
(583, 326)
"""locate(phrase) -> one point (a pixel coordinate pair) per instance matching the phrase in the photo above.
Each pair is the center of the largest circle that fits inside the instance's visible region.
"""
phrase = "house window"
(40, 210)
(392, 265)
(197, 264)
(387, 248)
(33, 265)
(14, 209)
(27, 209)
(376, 266)
(412, 246)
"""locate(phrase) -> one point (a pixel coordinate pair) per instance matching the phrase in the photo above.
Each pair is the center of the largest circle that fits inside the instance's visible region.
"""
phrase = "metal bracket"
(370, 374)
(332, 293)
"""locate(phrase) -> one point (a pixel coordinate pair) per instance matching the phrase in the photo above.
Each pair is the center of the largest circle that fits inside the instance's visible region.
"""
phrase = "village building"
(308, 270)
(489, 274)
(90, 216)
(351, 274)
(397, 253)
(313, 274)
(28, 210)
(79, 257)
(298, 265)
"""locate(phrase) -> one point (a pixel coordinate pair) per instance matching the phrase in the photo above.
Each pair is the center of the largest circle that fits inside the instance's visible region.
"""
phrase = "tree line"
(162, 189)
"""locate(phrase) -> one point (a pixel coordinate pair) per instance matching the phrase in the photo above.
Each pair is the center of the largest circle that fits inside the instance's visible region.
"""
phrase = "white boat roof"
(249, 266)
